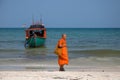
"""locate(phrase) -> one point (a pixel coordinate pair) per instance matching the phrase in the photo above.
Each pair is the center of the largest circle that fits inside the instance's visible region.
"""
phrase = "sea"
(87, 47)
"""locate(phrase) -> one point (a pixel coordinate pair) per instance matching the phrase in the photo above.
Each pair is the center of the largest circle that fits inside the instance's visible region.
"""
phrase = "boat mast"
(41, 20)
(32, 19)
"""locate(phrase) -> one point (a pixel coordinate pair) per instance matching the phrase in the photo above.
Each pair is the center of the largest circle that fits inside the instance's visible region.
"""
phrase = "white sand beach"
(84, 69)
(49, 71)
(56, 75)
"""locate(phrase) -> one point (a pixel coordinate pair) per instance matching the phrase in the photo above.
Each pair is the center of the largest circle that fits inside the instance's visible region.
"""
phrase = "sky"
(61, 13)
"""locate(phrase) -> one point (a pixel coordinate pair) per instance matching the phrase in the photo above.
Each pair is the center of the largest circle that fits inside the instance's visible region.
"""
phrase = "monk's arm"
(61, 44)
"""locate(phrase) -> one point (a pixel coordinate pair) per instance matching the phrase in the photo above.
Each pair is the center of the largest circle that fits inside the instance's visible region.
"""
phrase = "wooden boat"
(35, 36)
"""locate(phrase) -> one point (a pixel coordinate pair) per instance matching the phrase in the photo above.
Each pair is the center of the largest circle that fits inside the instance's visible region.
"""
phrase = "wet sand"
(49, 71)
(56, 75)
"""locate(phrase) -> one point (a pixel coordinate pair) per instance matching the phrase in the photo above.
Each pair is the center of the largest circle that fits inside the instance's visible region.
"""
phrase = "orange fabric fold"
(63, 58)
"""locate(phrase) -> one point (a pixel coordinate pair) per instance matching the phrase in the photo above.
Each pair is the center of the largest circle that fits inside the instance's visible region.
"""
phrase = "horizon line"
(62, 27)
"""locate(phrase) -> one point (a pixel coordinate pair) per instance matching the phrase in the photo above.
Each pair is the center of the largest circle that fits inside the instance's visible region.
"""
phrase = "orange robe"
(63, 58)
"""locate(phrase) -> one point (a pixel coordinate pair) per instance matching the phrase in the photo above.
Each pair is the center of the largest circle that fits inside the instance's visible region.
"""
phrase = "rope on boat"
(27, 43)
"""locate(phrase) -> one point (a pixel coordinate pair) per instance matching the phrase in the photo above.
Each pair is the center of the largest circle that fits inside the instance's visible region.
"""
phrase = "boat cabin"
(36, 31)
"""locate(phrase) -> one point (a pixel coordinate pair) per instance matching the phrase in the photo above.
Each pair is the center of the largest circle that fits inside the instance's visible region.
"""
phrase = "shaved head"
(64, 36)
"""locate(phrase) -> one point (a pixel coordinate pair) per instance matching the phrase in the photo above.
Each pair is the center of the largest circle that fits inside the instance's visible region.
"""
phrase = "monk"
(63, 58)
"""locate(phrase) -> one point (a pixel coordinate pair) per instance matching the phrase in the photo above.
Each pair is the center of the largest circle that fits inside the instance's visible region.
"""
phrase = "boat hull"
(35, 42)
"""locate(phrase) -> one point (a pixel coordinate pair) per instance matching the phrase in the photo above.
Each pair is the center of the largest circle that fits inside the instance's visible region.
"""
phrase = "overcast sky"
(61, 13)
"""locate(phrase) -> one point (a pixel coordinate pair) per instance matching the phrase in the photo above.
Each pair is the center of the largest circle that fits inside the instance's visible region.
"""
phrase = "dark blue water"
(100, 43)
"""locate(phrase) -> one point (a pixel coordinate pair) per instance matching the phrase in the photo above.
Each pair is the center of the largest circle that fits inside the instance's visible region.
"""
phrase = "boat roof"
(37, 26)
(35, 29)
